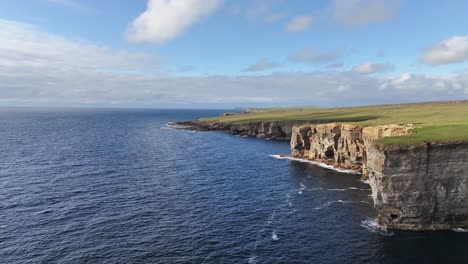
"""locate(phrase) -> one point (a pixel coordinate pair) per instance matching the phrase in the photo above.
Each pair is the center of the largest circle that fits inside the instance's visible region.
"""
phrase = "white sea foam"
(338, 190)
(253, 260)
(274, 236)
(301, 188)
(323, 165)
(315, 189)
(358, 189)
(172, 125)
(374, 226)
(169, 126)
(365, 181)
(288, 199)
(271, 218)
(327, 204)
(460, 230)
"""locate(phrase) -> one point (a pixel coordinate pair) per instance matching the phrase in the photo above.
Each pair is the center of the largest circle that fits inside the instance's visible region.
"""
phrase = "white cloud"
(39, 68)
(404, 78)
(164, 20)
(24, 45)
(261, 65)
(298, 23)
(363, 12)
(311, 56)
(412, 83)
(369, 68)
(452, 50)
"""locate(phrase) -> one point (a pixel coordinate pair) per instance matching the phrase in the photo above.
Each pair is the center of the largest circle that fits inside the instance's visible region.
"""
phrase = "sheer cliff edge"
(414, 156)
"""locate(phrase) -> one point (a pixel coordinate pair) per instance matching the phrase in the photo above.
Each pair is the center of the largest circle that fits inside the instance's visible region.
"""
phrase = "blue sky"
(227, 53)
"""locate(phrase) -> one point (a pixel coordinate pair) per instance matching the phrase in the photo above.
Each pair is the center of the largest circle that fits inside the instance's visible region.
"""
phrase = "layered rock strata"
(341, 145)
(420, 186)
(414, 187)
(280, 130)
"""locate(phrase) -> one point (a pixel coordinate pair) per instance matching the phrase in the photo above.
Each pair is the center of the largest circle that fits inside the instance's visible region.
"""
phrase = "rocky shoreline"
(280, 130)
(414, 187)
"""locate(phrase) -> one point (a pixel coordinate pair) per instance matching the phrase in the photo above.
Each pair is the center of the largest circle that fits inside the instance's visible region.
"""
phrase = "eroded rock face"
(339, 144)
(414, 187)
(420, 187)
(280, 130)
(342, 145)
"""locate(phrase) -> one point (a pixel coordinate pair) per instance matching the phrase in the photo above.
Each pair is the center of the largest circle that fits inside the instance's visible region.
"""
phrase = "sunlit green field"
(435, 122)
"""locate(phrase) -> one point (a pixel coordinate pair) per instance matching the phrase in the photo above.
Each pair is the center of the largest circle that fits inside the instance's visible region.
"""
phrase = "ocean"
(121, 186)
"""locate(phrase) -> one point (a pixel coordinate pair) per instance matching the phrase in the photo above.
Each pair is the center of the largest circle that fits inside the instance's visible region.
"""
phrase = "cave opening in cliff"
(394, 216)
(330, 153)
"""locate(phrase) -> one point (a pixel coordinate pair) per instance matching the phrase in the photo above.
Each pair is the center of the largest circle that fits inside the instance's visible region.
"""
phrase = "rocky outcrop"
(341, 145)
(414, 187)
(280, 130)
(420, 186)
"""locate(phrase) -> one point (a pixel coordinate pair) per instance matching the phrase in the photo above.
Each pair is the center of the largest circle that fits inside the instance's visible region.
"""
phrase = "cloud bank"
(164, 20)
(452, 50)
(39, 68)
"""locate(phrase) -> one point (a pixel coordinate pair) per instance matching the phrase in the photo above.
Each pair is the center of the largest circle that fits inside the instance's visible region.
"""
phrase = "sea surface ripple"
(120, 186)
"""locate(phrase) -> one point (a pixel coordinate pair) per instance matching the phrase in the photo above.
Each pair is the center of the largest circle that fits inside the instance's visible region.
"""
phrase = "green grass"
(435, 122)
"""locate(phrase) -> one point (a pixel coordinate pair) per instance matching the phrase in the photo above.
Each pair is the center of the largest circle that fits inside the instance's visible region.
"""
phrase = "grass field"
(435, 121)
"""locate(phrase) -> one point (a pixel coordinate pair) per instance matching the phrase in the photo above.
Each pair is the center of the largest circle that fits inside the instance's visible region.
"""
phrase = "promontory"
(415, 156)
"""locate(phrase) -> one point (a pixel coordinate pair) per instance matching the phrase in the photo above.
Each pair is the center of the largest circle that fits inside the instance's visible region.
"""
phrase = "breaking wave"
(252, 260)
(327, 204)
(460, 230)
(347, 189)
(274, 236)
(365, 181)
(320, 164)
(373, 226)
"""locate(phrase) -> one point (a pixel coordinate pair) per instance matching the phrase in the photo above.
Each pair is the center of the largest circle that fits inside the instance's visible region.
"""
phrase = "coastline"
(404, 178)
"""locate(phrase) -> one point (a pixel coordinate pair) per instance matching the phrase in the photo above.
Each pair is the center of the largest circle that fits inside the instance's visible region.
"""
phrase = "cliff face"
(414, 187)
(341, 145)
(280, 130)
(420, 187)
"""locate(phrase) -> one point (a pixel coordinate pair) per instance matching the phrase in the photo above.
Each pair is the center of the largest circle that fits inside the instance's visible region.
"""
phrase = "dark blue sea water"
(119, 186)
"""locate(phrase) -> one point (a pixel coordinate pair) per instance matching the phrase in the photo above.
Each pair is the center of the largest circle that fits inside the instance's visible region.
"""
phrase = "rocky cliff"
(341, 145)
(280, 130)
(420, 187)
(414, 187)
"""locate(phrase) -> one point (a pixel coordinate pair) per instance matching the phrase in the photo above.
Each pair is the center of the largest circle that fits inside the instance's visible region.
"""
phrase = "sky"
(231, 53)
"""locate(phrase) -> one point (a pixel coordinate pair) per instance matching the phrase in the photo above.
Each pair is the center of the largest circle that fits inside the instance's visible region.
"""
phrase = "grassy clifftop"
(435, 121)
